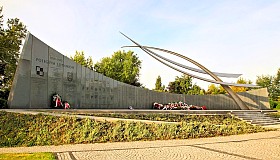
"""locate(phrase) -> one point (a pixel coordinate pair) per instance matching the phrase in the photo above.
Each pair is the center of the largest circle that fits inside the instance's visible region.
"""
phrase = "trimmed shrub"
(32, 130)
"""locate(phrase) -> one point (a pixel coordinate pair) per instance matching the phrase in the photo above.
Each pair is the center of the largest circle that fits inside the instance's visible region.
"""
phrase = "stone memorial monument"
(42, 71)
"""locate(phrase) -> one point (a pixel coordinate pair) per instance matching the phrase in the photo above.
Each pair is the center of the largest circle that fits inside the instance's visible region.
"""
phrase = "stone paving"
(265, 145)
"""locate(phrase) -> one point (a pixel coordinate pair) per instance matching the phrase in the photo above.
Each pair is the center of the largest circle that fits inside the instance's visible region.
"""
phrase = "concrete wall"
(42, 71)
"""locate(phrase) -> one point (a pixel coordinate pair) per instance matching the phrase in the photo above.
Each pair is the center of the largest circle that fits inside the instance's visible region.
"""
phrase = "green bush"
(274, 104)
(214, 119)
(32, 130)
(278, 106)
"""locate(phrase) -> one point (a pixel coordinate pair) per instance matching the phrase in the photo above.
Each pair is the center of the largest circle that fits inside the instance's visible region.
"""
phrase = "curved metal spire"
(228, 75)
(234, 96)
(194, 76)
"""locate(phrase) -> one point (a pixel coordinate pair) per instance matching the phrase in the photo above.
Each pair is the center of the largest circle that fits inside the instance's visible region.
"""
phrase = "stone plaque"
(69, 81)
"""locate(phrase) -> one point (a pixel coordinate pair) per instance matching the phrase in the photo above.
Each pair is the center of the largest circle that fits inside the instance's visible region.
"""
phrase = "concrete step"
(263, 119)
(265, 124)
(253, 117)
(270, 122)
(257, 118)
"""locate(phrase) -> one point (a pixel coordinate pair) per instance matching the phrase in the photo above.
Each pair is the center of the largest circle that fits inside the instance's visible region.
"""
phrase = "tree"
(89, 63)
(275, 88)
(241, 89)
(196, 90)
(264, 81)
(158, 86)
(184, 85)
(181, 85)
(10, 42)
(222, 90)
(121, 66)
(272, 83)
(80, 58)
(214, 89)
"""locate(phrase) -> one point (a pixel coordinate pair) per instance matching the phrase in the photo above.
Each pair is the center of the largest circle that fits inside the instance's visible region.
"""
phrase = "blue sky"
(234, 36)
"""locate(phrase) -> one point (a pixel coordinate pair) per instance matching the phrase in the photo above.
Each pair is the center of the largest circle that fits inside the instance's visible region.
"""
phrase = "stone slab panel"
(69, 81)
(83, 87)
(22, 80)
(79, 86)
(19, 96)
(55, 74)
(27, 48)
(88, 102)
(39, 75)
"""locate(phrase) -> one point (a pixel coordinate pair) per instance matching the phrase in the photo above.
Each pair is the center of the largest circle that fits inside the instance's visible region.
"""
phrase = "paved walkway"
(255, 146)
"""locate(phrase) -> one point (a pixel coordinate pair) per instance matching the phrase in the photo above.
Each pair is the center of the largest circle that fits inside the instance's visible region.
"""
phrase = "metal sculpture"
(204, 70)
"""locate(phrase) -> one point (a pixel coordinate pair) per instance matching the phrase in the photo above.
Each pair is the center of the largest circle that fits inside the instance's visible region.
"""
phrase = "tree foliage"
(196, 90)
(272, 83)
(275, 93)
(158, 86)
(215, 89)
(264, 81)
(80, 58)
(121, 66)
(184, 85)
(241, 89)
(11, 38)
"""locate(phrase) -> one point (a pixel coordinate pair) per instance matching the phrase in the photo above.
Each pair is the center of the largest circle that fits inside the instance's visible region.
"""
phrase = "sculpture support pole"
(233, 95)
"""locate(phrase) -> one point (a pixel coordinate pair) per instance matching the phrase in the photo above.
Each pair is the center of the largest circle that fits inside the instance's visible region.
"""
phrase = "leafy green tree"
(272, 83)
(184, 85)
(181, 85)
(196, 90)
(122, 66)
(89, 63)
(80, 58)
(264, 81)
(215, 89)
(11, 39)
(158, 86)
(275, 91)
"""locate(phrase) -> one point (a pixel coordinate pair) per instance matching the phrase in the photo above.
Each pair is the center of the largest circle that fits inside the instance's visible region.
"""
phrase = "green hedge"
(32, 130)
(214, 119)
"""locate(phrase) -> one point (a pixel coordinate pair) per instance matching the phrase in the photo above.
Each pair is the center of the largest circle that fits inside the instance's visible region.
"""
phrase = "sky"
(232, 36)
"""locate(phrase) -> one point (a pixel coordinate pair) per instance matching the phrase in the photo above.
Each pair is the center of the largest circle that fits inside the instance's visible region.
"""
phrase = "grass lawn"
(27, 156)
